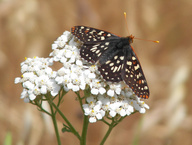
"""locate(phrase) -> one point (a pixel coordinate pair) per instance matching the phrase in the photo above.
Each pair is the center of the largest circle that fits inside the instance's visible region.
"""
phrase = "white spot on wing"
(119, 68)
(115, 57)
(102, 38)
(97, 51)
(105, 48)
(99, 54)
(111, 64)
(145, 87)
(115, 69)
(106, 43)
(136, 67)
(100, 33)
(129, 63)
(118, 61)
(133, 58)
(108, 62)
(121, 57)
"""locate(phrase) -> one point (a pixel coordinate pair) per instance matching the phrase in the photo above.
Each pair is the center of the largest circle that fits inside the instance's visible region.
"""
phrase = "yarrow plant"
(102, 101)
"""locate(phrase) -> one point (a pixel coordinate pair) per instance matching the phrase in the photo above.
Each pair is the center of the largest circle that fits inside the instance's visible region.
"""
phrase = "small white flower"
(17, 80)
(54, 46)
(128, 108)
(24, 94)
(90, 99)
(59, 79)
(94, 91)
(122, 112)
(28, 85)
(114, 88)
(61, 41)
(112, 113)
(86, 109)
(75, 88)
(91, 75)
(93, 109)
(111, 93)
(55, 88)
(67, 53)
(99, 116)
(102, 90)
(24, 68)
(69, 86)
(79, 63)
(43, 89)
(142, 104)
(32, 97)
(96, 87)
(106, 104)
(142, 110)
(114, 108)
(92, 119)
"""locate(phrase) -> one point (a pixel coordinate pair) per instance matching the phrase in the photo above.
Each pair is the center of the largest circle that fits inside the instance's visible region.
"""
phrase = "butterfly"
(116, 58)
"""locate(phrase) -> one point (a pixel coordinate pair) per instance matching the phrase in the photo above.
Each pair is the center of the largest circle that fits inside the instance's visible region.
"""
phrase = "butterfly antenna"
(126, 22)
(147, 40)
(133, 36)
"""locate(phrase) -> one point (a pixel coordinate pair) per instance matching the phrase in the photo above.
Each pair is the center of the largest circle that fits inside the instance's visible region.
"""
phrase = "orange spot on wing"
(73, 29)
(86, 31)
(146, 97)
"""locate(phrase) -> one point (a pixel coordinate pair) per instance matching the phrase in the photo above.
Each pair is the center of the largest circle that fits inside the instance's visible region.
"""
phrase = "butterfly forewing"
(133, 76)
(90, 35)
(95, 42)
(116, 58)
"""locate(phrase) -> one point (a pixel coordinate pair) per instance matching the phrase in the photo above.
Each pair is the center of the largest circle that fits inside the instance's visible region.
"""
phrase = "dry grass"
(29, 27)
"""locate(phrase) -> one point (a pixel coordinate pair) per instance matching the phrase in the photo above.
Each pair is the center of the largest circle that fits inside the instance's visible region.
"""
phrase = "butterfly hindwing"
(93, 52)
(111, 69)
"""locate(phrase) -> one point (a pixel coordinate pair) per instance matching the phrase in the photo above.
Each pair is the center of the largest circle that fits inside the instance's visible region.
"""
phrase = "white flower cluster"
(38, 78)
(75, 74)
(123, 104)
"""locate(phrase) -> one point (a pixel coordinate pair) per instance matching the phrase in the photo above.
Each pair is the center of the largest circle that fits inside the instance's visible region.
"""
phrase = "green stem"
(84, 130)
(67, 121)
(61, 95)
(104, 121)
(55, 124)
(107, 133)
(80, 100)
(41, 109)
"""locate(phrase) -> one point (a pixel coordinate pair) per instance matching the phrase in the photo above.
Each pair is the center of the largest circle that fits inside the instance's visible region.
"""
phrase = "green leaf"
(66, 128)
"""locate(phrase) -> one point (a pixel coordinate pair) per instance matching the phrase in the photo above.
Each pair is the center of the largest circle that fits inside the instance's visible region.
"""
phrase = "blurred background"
(29, 27)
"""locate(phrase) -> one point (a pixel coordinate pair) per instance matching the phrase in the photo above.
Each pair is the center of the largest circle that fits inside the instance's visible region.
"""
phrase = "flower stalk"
(53, 116)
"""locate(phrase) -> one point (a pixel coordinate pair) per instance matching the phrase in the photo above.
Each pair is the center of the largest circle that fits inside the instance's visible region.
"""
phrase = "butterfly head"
(130, 38)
